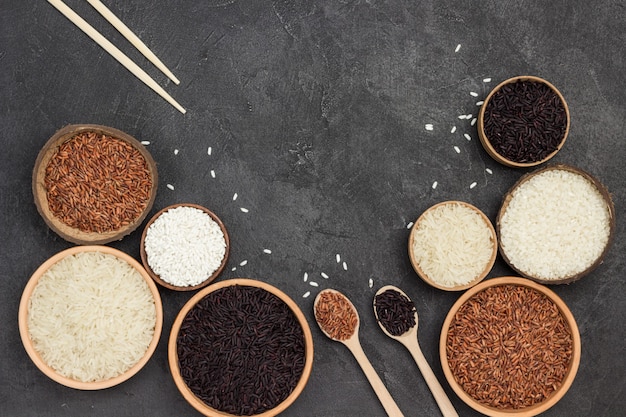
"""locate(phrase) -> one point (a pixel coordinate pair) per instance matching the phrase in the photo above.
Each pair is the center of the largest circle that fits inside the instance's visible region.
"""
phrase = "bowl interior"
(573, 364)
(173, 359)
(40, 191)
(487, 143)
(609, 205)
(424, 276)
(212, 277)
(36, 357)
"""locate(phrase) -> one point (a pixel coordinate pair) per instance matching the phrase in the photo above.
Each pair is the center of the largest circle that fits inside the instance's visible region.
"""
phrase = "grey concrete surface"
(315, 112)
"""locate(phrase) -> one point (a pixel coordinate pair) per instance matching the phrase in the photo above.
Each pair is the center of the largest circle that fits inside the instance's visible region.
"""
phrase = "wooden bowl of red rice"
(510, 347)
(93, 184)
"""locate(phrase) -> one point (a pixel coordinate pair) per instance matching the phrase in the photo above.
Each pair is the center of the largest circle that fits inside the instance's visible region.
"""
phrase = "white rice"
(91, 316)
(556, 225)
(452, 244)
(184, 246)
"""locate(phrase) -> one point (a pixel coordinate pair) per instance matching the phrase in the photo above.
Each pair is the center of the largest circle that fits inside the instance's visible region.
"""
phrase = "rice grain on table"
(184, 246)
(556, 225)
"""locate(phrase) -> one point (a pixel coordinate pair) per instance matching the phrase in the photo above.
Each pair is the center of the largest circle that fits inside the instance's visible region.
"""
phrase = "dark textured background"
(315, 112)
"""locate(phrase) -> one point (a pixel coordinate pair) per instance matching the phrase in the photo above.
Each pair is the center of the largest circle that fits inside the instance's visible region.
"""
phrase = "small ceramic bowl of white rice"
(556, 224)
(90, 317)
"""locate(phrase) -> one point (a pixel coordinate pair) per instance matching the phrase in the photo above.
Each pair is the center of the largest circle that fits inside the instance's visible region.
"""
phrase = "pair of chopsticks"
(115, 52)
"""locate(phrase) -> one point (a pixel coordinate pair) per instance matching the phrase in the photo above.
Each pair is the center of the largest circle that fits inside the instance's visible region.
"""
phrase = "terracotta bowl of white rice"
(452, 246)
(184, 247)
(90, 317)
(556, 224)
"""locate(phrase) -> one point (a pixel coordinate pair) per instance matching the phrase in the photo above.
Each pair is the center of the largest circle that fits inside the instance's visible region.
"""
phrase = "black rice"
(395, 312)
(241, 350)
(525, 121)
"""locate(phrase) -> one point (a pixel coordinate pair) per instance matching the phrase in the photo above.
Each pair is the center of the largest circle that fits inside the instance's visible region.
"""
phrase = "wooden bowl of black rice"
(240, 347)
(523, 122)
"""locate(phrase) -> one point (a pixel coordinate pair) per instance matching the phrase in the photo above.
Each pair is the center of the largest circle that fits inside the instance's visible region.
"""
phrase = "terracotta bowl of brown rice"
(510, 347)
(93, 184)
(90, 317)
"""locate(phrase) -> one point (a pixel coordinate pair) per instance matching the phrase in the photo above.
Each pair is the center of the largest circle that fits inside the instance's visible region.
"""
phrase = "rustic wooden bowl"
(536, 408)
(37, 359)
(67, 232)
(484, 140)
(418, 269)
(609, 204)
(156, 277)
(200, 405)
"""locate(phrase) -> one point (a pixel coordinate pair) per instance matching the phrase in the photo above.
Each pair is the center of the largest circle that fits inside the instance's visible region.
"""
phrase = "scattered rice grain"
(170, 186)
(457, 150)
(428, 126)
(306, 294)
(324, 275)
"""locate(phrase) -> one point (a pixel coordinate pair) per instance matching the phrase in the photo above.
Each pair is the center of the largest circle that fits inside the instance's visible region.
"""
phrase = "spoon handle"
(379, 388)
(446, 407)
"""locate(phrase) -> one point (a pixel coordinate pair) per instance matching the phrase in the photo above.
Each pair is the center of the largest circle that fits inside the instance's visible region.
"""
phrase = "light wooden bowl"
(37, 359)
(609, 204)
(67, 232)
(209, 279)
(484, 140)
(200, 405)
(573, 365)
(418, 269)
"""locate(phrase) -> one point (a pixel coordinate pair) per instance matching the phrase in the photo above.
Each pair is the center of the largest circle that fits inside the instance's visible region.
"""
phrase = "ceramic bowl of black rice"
(240, 347)
(523, 122)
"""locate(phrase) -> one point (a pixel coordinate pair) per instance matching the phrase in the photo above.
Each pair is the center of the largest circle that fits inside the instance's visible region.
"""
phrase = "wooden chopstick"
(132, 38)
(115, 52)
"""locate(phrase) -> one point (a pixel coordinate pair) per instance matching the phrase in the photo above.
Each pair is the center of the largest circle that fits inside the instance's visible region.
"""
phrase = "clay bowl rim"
(46, 153)
(487, 144)
(607, 199)
(49, 371)
(172, 354)
(157, 278)
(488, 266)
(569, 377)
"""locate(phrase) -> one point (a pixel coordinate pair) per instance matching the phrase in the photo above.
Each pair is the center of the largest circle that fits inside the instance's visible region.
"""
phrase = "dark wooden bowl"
(40, 191)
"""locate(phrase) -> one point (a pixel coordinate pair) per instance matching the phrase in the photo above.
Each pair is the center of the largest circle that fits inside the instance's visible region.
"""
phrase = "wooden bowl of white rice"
(184, 247)
(90, 317)
(556, 224)
(452, 246)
